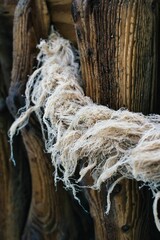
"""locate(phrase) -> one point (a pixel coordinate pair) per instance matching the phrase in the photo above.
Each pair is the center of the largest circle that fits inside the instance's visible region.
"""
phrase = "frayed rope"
(108, 143)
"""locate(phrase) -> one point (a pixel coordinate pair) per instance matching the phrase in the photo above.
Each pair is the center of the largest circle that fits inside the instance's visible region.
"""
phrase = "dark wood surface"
(118, 43)
(32, 207)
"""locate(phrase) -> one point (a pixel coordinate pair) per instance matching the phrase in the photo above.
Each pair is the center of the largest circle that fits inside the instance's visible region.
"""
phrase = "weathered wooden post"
(50, 214)
(118, 43)
(14, 181)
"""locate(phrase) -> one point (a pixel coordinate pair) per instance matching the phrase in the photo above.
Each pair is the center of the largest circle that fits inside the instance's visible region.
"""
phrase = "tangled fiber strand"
(108, 143)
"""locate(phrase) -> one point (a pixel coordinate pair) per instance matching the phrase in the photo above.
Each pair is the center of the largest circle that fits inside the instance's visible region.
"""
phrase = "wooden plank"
(126, 74)
(118, 45)
(53, 214)
(14, 181)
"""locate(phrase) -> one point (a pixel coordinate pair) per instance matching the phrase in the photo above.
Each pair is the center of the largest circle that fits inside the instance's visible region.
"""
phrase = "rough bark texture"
(118, 43)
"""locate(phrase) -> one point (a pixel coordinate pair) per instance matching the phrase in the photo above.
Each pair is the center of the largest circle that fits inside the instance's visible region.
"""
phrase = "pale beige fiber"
(107, 143)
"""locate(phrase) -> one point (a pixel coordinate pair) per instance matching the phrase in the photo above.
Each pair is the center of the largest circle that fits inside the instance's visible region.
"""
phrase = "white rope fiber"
(107, 142)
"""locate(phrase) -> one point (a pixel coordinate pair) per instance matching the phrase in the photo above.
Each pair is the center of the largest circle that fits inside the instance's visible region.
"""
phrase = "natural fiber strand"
(108, 143)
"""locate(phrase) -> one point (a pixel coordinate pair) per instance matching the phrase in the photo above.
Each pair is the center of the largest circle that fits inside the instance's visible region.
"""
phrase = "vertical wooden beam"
(52, 214)
(14, 181)
(29, 27)
(118, 43)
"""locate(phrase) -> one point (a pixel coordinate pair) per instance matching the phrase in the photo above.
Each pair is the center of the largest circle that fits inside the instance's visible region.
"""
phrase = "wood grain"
(125, 34)
(118, 43)
(29, 27)
(14, 181)
(52, 214)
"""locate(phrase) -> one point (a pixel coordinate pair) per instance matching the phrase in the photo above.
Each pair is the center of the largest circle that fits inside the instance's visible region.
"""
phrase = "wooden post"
(52, 212)
(118, 43)
(14, 181)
